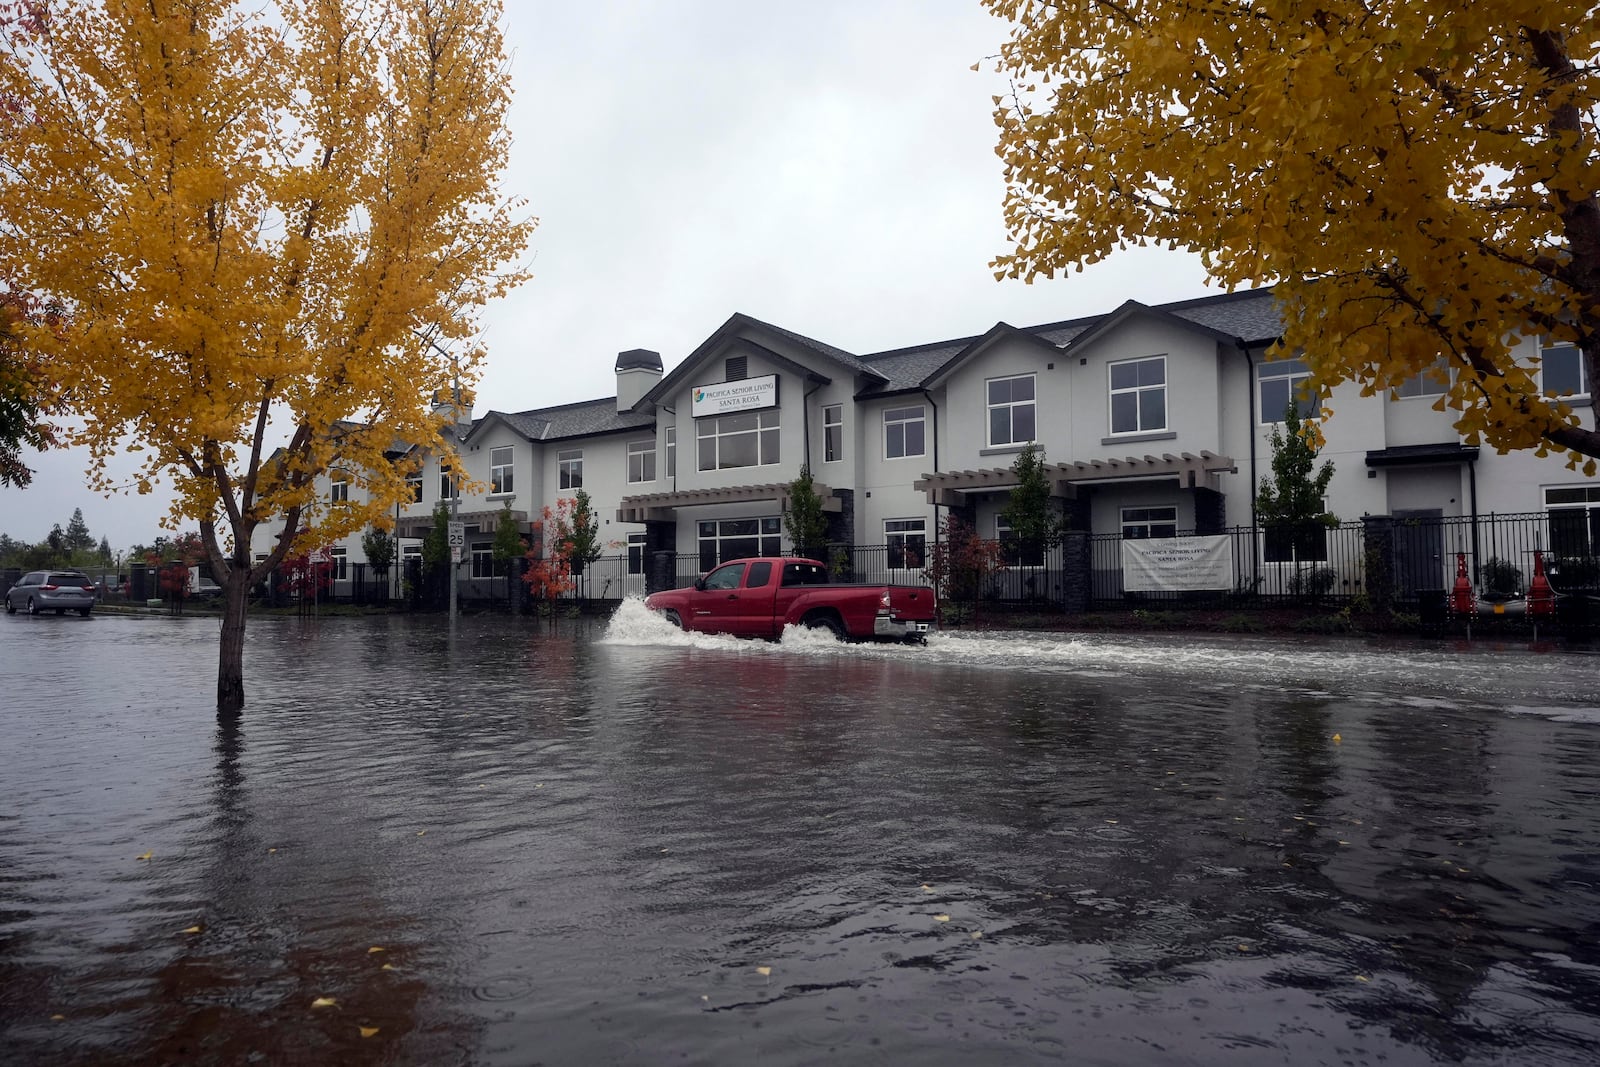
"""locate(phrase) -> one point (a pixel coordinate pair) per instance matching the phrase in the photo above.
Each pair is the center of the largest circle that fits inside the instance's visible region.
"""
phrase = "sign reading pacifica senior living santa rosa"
(1177, 564)
(742, 395)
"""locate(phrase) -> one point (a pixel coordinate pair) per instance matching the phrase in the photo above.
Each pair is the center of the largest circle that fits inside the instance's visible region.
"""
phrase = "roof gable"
(730, 333)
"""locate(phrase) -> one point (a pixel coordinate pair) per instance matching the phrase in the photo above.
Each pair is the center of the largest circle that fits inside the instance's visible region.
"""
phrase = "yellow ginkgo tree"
(1418, 179)
(266, 226)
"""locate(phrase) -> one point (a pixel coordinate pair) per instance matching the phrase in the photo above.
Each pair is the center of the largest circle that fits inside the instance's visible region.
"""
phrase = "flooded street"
(513, 844)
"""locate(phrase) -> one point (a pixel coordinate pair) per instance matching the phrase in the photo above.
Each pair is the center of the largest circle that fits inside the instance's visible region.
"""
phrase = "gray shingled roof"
(1252, 315)
(908, 368)
(575, 420)
(849, 359)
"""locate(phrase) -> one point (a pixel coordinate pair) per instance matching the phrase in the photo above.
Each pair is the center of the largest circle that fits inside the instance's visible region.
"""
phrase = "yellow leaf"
(270, 851)
(763, 970)
(941, 918)
(926, 888)
(976, 934)
(324, 1002)
(387, 967)
(1337, 739)
(368, 1031)
(1362, 978)
(191, 930)
(374, 948)
(421, 832)
(146, 856)
(58, 1018)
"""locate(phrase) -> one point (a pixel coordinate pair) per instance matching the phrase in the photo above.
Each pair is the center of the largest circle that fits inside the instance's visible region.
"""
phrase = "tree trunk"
(230, 658)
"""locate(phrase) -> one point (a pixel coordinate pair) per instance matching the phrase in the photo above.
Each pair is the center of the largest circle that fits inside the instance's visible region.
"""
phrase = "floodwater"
(614, 843)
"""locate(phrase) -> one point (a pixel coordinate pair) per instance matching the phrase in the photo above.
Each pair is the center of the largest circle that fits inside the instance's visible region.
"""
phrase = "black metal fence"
(1405, 561)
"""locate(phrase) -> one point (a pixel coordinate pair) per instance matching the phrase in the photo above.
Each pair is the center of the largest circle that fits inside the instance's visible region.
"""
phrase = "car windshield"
(67, 579)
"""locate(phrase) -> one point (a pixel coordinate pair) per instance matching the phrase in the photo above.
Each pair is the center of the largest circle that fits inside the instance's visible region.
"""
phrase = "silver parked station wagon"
(57, 591)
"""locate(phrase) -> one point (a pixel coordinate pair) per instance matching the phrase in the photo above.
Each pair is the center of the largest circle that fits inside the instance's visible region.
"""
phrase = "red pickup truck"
(758, 597)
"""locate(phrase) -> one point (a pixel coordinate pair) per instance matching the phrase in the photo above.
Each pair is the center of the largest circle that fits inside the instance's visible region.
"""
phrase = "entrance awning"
(1190, 470)
(647, 507)
(486, 521)
(1434, 455)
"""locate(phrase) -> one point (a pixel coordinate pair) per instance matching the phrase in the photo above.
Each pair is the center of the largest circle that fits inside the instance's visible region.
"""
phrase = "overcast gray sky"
(828, 166)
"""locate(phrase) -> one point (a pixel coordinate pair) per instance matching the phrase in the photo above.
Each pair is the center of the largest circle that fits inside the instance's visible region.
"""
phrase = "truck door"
(715, 605)
(756, 602)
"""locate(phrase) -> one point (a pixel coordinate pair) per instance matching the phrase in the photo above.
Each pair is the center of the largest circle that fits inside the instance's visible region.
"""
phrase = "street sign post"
(458, 540)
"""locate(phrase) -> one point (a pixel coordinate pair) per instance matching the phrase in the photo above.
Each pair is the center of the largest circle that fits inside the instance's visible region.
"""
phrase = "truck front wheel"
(673, 618)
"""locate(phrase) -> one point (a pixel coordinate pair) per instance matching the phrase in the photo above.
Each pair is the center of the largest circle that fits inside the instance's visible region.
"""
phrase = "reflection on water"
(584, 843)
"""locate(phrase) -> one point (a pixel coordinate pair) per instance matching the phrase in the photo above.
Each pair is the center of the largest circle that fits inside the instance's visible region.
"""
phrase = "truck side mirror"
(700, 583)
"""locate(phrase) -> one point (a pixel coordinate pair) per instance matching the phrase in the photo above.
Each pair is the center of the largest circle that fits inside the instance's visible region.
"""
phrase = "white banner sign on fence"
(1177, 564)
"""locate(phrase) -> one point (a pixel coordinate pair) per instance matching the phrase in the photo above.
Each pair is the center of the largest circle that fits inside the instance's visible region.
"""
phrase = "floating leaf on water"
(387, 967)
(367, 1031)
(374, 948)
(421, 832)
(1362, 978)
(941, 918)
(146, 856)
(1244, 948)
(1337, 739)
(763, 971)
(324, 1002)
(977, 934)
(270, 851)
(191, 930)
(58, 1018)
(926, 888)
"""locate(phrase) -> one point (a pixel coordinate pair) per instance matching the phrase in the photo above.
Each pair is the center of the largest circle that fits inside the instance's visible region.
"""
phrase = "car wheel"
(829, 623)
(33, 606)
(674, 618)
(11, 609)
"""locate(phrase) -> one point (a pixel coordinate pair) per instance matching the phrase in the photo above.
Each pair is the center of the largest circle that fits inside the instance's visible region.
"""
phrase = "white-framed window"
(1139, 395)
(340, 567)
(569, 468)
(1011, 409)
(1015, 553)
(908, 543)
(748, 439)
(1574, 515)
(1280, 381)
(1144, 522)
(672, 451)
(414, 487)
(724, 539)
(1431, 382)
(482, 561)
(904, 432)
(410, 552)
(339, 490)
(636, 553)
(642, 460)
(832, 433)
(500, 480)
(447, 485)
(1562, 371)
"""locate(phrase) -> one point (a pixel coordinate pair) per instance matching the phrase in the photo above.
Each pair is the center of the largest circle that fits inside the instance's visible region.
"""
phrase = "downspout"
(805, 423)
(1250, 408)
(1472, 489)
(935, 409)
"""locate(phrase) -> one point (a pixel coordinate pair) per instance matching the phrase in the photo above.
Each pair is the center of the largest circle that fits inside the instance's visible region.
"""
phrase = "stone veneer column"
(1377, 536)
(660, 555)
(1077, 576)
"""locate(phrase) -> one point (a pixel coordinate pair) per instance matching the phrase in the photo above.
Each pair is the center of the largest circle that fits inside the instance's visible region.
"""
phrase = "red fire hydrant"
(1461, 597)
(1541, 598)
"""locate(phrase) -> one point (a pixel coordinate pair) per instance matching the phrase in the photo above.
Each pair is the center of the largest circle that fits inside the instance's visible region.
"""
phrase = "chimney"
(638, 370)
(456, 405)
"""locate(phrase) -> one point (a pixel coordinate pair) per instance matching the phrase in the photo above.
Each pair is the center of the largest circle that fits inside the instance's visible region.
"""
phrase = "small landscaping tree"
(379, 549)
(1033, 519)
(508, 544)
(959, 563)
(549, 574)
(804, 520)
(1289, 505)
(436, 552)
(581, 531)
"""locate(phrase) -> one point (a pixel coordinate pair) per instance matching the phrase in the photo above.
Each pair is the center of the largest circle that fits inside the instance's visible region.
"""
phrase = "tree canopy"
(258, 220)
(1418, 180)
